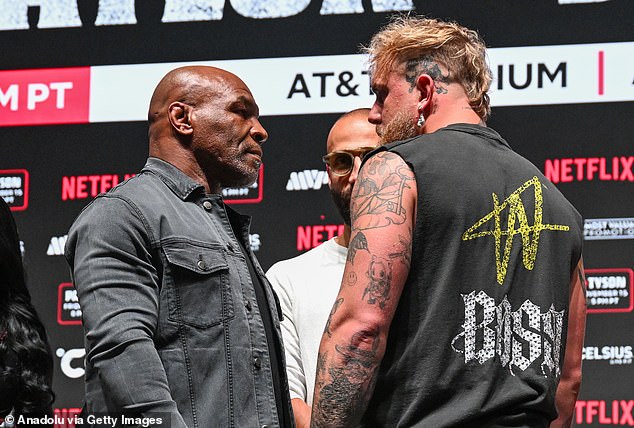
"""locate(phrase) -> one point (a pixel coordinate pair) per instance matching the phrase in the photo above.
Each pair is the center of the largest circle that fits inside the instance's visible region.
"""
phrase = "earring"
(421, 120)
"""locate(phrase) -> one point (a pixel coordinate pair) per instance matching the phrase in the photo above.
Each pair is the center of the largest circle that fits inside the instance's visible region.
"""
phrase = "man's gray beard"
(399, 128)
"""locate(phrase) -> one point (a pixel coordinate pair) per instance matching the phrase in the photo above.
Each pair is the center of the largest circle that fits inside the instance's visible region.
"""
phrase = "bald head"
(205, 121)
(188, 85)
(354, 135)
(352, 130)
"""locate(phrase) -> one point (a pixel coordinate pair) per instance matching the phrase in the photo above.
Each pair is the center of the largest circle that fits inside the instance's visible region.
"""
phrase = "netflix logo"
(44, 96)
(89, 186)
(602, 412)
(311, 236)
(618, 168)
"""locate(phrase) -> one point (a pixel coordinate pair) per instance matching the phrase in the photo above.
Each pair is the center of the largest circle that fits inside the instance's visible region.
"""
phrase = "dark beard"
(398, 129)
(342, 202)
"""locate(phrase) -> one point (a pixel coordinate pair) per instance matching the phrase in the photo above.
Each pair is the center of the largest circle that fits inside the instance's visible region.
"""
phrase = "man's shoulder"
(135, 186)
(137, 190)
(124, 201)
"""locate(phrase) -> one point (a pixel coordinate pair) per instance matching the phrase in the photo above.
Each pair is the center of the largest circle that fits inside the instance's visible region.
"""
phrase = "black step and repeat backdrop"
(76, 77)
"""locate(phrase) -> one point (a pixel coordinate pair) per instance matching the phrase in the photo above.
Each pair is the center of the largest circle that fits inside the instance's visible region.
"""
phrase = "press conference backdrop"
(76, 78)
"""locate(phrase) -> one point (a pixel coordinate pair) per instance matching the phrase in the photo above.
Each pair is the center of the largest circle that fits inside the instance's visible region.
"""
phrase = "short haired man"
(179, 320)
(307, 285)
(468, 307)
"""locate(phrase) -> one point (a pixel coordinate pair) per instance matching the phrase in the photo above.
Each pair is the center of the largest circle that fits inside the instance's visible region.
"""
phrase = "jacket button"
(257, 363)
(248, 305)
(201, 265)
(207, 205)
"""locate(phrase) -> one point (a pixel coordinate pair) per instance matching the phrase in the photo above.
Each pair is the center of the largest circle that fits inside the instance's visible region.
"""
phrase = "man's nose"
(352, 178)
(374, 117)
(258, 133)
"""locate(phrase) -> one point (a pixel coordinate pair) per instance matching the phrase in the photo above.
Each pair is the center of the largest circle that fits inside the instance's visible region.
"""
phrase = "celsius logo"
(58, 14)
(608, 228)
(308, 179)
(89, 186)
(56, 247)
(615, 355)
(609, 290)
(617, 412)
(311, 236)
(68, 309)
(617, 168)
(252, 194)
(14, 188)
(69, 366)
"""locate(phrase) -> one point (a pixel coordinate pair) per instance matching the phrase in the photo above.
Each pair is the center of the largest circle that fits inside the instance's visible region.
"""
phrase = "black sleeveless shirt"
(479, 334)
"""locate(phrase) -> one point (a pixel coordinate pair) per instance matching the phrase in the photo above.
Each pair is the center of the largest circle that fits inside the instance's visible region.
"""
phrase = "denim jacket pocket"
(198, 284)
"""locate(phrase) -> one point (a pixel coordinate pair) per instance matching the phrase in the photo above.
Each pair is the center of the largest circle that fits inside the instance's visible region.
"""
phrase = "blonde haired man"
(466, 307)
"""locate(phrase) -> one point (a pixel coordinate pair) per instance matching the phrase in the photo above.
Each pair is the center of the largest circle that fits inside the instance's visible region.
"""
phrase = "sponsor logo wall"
(73, 102)
(14, 188)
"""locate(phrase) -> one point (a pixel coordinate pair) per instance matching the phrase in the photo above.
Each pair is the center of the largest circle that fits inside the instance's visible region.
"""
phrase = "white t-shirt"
(307, 286)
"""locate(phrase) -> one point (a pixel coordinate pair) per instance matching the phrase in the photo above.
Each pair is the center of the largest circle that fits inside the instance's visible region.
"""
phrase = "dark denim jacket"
(170, 314)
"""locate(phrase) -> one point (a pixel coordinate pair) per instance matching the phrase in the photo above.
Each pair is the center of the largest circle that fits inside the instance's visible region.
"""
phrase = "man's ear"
(179, 115)
(427, 88)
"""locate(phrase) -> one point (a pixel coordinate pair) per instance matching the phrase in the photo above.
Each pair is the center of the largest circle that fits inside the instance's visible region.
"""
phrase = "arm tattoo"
(378, 198)
(338, 303)
(359, 242)
(352, 278)
(344, 399)
(321, 367)
(380, 276)
(403, 253)
(426, 65)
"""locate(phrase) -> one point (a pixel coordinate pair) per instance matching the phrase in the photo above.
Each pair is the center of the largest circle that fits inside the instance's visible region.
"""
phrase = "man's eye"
(380, 95)
(241, 111)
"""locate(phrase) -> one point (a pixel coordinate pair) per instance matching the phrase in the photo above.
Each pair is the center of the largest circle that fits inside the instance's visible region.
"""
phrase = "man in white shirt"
(307, 285)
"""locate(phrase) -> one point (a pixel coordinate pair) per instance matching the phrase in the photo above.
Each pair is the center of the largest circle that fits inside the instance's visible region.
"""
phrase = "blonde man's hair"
(419, 42)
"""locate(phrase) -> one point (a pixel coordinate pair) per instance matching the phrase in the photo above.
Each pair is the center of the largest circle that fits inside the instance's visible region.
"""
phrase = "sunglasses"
(341, 162)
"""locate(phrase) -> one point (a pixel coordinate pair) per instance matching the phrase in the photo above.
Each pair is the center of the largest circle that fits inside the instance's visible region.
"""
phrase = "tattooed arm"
(383, 211)
(570, 380)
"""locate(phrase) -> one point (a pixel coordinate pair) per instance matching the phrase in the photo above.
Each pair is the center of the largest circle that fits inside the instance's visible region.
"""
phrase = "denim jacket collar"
(178, 182)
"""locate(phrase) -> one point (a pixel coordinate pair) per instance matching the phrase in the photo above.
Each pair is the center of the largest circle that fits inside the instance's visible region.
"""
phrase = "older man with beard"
(307, 285)
(464, 306)
(180, 323)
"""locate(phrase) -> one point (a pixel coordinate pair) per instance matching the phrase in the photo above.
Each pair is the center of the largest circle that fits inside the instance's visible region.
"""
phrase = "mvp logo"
(308, 179)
